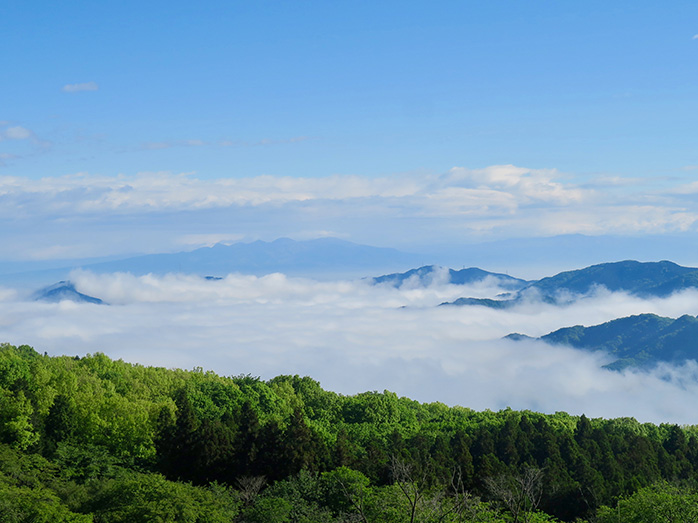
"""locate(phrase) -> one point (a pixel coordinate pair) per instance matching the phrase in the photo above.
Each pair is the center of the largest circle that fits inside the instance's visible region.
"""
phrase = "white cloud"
(18, 133)
(263, 142)
(354, 337)
(616, 181)
(163, 191)
(155, 146)
(270, 141)
(526, 184)
(209, 239)
(462, 205)
(76, 88)
(6, 156)
(687, 189)
(464, 201)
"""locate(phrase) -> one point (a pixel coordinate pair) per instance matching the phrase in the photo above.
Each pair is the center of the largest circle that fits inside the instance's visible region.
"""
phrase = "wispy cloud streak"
(80, 87)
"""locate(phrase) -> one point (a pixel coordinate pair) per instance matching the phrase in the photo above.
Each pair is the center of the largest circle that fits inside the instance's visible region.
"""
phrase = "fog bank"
(354, 337)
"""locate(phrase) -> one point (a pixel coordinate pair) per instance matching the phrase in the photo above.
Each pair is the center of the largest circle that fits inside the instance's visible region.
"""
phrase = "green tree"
(35, 505)
(143, 498)
(16, 413)
(658, 503)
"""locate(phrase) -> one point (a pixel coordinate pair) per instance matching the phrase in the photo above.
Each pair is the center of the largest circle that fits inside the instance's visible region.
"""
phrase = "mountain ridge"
(318, 258)
(642, 279)
(639, 341)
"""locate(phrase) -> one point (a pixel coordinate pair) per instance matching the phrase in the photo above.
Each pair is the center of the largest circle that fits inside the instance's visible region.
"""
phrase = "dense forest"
(89, 439)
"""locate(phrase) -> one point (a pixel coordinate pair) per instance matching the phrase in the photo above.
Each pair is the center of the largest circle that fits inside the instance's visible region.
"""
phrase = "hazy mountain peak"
(64, 290)
(428, 274)
(322, 257)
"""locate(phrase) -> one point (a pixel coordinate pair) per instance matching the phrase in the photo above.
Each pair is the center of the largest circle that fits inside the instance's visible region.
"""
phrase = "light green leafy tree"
(658, 503)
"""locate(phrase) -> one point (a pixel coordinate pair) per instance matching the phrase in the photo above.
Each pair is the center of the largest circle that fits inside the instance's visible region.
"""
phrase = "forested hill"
(644, 279)
(91, 439)
(636, 341)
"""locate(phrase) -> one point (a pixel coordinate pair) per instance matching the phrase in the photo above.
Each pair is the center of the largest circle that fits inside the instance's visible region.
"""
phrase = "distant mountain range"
(539, 256)
(641, 279)
(320, 259)
(639, 341)
(305, 258)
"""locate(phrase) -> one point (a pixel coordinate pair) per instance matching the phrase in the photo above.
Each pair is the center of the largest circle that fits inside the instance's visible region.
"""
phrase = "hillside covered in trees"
(640, 341)
(87, 439)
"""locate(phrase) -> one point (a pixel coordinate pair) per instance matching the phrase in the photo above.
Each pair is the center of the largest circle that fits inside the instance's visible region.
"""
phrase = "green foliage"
(96, 439)
(345, 490)
(304, 493)
(658, 503)
(35, 505)
(86, 462)
(144, 498)
(26, 493)
(269, 510)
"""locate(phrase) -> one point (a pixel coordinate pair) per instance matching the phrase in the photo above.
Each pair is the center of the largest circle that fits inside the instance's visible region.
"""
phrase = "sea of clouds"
(352, 337)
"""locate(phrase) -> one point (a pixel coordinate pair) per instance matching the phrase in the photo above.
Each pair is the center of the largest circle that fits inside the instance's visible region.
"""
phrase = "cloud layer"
(354, 337)
(468, 205)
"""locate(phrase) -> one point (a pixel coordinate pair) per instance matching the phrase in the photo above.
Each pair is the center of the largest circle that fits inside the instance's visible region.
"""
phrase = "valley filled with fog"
(353, 336)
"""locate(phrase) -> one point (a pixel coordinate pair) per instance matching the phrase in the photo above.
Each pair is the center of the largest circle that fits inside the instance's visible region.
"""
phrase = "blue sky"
(138, 127)
(143, 127)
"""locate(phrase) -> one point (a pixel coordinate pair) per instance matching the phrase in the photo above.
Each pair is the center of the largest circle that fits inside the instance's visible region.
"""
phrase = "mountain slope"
(644, 279)
(635, 341)
(64, 290)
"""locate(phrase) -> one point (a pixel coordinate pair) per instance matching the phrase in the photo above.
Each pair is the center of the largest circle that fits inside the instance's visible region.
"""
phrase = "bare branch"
(249, 488)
